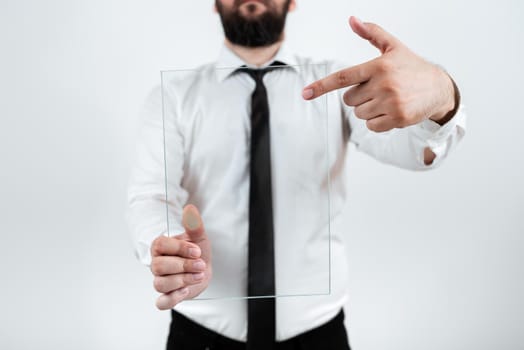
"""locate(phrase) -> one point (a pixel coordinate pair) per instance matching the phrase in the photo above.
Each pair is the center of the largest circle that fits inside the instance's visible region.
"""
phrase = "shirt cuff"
(438, 137)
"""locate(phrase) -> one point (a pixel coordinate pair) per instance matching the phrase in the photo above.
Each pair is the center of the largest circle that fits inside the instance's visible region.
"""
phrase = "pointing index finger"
(343, 78)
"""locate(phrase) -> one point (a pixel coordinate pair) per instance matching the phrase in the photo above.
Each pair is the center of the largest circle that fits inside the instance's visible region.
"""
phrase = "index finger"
(172, 246)
(343, 78)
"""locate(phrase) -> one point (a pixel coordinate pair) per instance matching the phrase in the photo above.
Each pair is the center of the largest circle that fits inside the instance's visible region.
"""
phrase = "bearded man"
(226, 150)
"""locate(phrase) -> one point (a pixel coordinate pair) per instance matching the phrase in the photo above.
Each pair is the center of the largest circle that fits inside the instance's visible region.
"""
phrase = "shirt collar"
(228, 61)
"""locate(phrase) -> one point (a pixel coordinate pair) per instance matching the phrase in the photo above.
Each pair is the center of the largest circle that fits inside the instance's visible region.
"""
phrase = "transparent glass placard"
(207, 140)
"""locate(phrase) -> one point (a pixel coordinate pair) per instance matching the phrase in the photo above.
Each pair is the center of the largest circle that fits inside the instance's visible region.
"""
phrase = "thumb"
(193, 224)
(372, 32)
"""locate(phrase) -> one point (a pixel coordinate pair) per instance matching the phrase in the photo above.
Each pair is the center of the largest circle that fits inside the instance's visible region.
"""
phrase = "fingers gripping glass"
(207, 131)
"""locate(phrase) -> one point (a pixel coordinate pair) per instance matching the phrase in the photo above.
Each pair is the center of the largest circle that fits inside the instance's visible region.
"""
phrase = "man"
(398, 108)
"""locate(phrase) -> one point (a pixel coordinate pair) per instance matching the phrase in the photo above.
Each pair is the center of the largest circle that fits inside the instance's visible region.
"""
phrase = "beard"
(260, 31)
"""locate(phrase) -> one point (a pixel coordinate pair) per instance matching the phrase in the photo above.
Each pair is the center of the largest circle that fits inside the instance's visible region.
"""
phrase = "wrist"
(450, 107)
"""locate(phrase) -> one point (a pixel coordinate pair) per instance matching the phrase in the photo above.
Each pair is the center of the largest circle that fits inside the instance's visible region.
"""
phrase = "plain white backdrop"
(436, 259)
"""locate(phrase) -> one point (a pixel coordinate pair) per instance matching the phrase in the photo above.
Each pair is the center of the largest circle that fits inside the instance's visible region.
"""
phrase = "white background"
(436, 259)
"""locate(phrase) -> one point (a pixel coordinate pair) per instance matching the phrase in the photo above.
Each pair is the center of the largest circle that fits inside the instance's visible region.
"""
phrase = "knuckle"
(187, 265)
(351, 96)
(179, 266)
(389, 87)
(385, 65)
(180, 246)
(342, 78)
(156, 246)
(187, 279)
(159, 284)
(319, 88)
(156, 267)
(347, 98)
(360, 112)
(372, 27)
(372, 125)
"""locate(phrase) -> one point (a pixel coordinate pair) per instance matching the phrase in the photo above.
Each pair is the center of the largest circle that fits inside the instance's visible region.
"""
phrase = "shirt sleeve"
(405, 147)
(150, 212)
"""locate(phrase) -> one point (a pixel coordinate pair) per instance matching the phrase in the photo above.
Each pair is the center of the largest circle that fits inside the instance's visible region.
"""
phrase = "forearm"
(154, 187)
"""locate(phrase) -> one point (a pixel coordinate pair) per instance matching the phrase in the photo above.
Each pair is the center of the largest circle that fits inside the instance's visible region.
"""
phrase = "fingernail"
(199, 265)
(192, 220)
(307, 93)
(198, 276)
(194, 252)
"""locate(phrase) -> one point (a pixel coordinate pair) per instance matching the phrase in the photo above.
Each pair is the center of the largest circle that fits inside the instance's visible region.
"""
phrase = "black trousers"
(185, 334)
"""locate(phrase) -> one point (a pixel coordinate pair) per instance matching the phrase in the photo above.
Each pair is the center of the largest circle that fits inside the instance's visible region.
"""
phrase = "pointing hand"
(394, 90)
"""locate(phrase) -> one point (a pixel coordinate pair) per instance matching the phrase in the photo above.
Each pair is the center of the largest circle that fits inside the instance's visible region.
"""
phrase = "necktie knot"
(258, 73)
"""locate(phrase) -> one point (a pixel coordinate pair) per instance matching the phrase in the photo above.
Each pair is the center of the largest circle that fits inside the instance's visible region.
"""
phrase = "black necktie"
(261, 261)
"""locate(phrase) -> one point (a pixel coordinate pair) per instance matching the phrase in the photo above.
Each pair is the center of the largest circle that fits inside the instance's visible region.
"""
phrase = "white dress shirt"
(209, 155)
